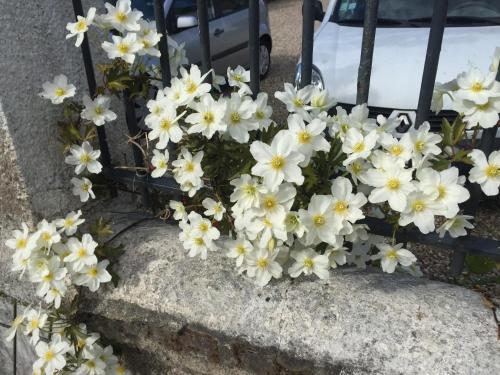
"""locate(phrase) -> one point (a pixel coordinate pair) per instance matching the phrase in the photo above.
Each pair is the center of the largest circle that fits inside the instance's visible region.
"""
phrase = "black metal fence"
(461, 246)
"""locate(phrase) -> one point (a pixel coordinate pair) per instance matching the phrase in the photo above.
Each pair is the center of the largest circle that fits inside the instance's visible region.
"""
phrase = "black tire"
(265, 57)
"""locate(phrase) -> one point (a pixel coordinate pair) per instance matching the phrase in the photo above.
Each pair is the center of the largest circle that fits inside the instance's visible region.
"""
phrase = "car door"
(234, 43)
(190, 35)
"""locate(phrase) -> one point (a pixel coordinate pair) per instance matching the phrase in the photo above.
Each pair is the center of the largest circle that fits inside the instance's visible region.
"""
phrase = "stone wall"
(176, 315)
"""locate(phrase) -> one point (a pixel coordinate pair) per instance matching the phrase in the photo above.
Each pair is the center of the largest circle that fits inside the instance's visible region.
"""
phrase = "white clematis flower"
(485, 115)
(247, 191)
(456, 226)
(319, 221)
(320, 100)
(80, 27)
(239, 249)
(58, 90)
(97, 110)
(180, 213)
(187, 168)
(84, 157)
(346, 206)
(391, 256)
(358, 146)
(48, 234)
(83, 188)
(420, 211)
(35, 321)
(192, 82)
(81, 252)
(262, 265)
(392, 184)
(307, 138)
(122, 17)
(263, 112)
(208, 117)
(149, 38)
(477, 87)
(422, 142)
(70, 223)
(295, 100)
(308, 261)
(445, 186)
(22, 242)
(93, 275)
(165, 127)
(123, 48)
(160, 162)
(213, 208)
(239, 77)
(52, 355)
(239, 117)
(337, 256)
(486, 172)
(277, 162)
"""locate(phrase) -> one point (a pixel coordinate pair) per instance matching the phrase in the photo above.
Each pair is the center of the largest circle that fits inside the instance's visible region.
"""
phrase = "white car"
(472, 32)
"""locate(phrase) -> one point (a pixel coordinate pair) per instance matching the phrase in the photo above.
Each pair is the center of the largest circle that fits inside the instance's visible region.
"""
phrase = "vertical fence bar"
(436, 32)
(487, 145)
(91, 81)
(254, 46)
(367, 44)
(307, 42)
(161, 28)
(134, 131)
(204, 31)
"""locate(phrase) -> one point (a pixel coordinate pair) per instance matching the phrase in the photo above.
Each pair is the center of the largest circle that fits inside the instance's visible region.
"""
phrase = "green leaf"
(101, 228)
(458, 130)
(447, 132)
(479, 264)
(440, 164)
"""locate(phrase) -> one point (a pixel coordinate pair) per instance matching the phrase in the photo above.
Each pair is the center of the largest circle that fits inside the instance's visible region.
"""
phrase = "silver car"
(228, 27)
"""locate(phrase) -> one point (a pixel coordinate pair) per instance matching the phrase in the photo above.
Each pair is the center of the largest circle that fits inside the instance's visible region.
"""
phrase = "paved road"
(286, 28)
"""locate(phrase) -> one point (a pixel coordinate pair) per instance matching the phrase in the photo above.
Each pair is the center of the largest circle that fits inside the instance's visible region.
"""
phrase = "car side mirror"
(184, 22)
(319, 14)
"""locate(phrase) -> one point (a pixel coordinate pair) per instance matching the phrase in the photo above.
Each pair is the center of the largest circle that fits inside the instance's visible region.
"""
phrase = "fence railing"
(460, 246)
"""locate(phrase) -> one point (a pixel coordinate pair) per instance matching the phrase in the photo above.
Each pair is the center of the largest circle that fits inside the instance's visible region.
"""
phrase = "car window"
(460, 12)
(188, 8)
(227, 7)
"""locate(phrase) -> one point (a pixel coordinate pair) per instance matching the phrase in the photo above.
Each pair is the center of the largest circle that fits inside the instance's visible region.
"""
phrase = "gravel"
(286, 25)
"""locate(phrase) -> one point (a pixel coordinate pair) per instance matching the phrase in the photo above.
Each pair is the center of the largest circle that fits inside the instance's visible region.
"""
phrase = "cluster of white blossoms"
(55, 256)
(380, 172)
(279, 224)
(474, 94)
(134, 37)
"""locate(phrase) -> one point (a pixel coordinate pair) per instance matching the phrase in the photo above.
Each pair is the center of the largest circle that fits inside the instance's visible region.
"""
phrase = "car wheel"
(265, 58)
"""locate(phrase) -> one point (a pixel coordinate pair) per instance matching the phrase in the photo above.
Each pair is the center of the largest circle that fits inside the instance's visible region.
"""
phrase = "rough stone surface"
(199, 317)
(33, 49)
(6, 354)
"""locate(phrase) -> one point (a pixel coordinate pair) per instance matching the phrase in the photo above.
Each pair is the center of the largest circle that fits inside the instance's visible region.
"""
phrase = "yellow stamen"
(262, 263)
(60, 91)
(304, 137)
(477, 87)
(208, 117)
(308, 263)
(277, 162)
(393, 184)
(235, 118)
(340, 207)
(418, 206)
(359, 147)
(492, 171)
(319, 220)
